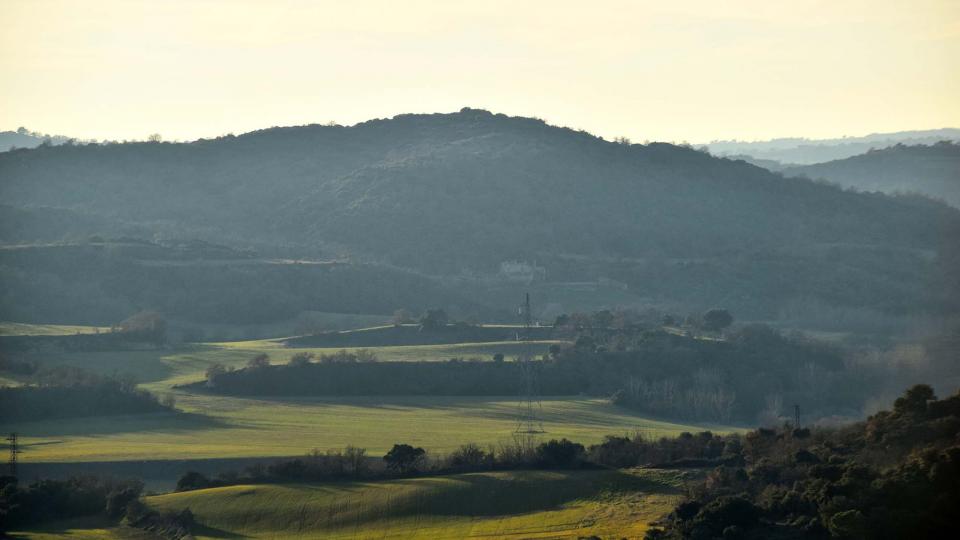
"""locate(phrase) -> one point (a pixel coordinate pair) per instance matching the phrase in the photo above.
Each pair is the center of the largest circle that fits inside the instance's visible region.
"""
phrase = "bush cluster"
(747, 376)
(68, 392)
(897, 475)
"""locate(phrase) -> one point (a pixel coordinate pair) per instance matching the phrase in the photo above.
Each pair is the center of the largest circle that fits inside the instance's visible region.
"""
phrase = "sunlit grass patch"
(528, 504)
(27, 329)
(223, 426)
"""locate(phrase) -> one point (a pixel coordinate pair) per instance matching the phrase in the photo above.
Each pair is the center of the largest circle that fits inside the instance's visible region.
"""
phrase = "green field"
(89, 528)
(243, 427)
(534, 504)
(526, 504)
(314, 321)
(515, 504)
(24, 329)
(160, 370)
(212, 426)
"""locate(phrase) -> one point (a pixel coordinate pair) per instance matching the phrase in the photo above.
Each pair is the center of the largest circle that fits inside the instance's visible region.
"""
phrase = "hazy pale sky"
(668, 70)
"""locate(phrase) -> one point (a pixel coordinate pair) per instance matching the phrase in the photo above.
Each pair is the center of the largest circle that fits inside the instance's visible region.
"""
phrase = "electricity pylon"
(529, 417)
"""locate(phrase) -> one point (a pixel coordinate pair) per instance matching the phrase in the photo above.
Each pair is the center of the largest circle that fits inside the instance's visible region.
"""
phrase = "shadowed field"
(525, 504)
(512, 504)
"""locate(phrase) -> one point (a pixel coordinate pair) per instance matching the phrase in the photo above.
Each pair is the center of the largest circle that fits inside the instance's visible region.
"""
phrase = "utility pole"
(796, 410)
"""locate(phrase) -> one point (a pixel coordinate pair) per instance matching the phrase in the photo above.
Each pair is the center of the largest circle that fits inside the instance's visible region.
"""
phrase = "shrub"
(259, 361)
(213, 372)
(726, 512)
(193, 480)
(472, 457)
(300, 359)
(404, 459)
(562, 454)
(716, 320)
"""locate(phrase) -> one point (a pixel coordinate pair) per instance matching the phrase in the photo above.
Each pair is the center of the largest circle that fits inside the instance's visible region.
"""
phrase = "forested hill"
(930, 170)
(445, 192)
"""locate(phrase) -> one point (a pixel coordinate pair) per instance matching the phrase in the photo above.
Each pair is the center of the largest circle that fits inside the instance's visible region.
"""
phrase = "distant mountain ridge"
(453, 195)
(800, 151)
(932, 170)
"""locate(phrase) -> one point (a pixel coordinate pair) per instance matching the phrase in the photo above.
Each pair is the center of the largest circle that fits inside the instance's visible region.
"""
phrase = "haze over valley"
(450, 270)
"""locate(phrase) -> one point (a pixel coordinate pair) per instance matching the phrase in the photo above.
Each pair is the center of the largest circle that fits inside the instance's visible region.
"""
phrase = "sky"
(672, 71)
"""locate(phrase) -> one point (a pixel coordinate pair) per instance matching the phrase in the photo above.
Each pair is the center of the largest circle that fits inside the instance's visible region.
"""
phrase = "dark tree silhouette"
(403, 458)
(716, 320)
(562, 454)
(434, 318)
(148, 326)
(915, 399)
(301, 359)
(259, 361)
(192, 480)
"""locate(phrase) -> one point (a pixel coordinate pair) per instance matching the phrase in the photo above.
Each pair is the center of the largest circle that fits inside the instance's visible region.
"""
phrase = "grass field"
(241, 427)
(160, 370)
(483, 505)
(525, 504)
(24, 329)
(223, 426)
(514, 504)
(88, 528)
(306, 320)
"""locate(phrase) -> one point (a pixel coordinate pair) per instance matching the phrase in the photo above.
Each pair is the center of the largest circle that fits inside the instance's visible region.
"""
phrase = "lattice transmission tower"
(530, 409)
(12, 442)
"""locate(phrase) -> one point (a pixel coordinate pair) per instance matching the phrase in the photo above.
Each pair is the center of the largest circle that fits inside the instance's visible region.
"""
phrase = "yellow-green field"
(519, 504)
(525, 504)
(24, 329)
(515, 504)
(159, 370)
(88, 528)
(213, 426)
(244, 427)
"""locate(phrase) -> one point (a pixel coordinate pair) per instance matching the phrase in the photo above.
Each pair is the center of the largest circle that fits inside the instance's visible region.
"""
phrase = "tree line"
(749, 374)
(70, 392)
(895, 475)
(521, 451)
(119, 500)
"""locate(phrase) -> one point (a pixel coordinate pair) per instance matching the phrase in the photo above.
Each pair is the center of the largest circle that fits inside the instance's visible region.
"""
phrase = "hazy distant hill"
(929, 170)
(799, 151)
(24, 138)
(45, 224)
(103, 282)
(456, 194)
